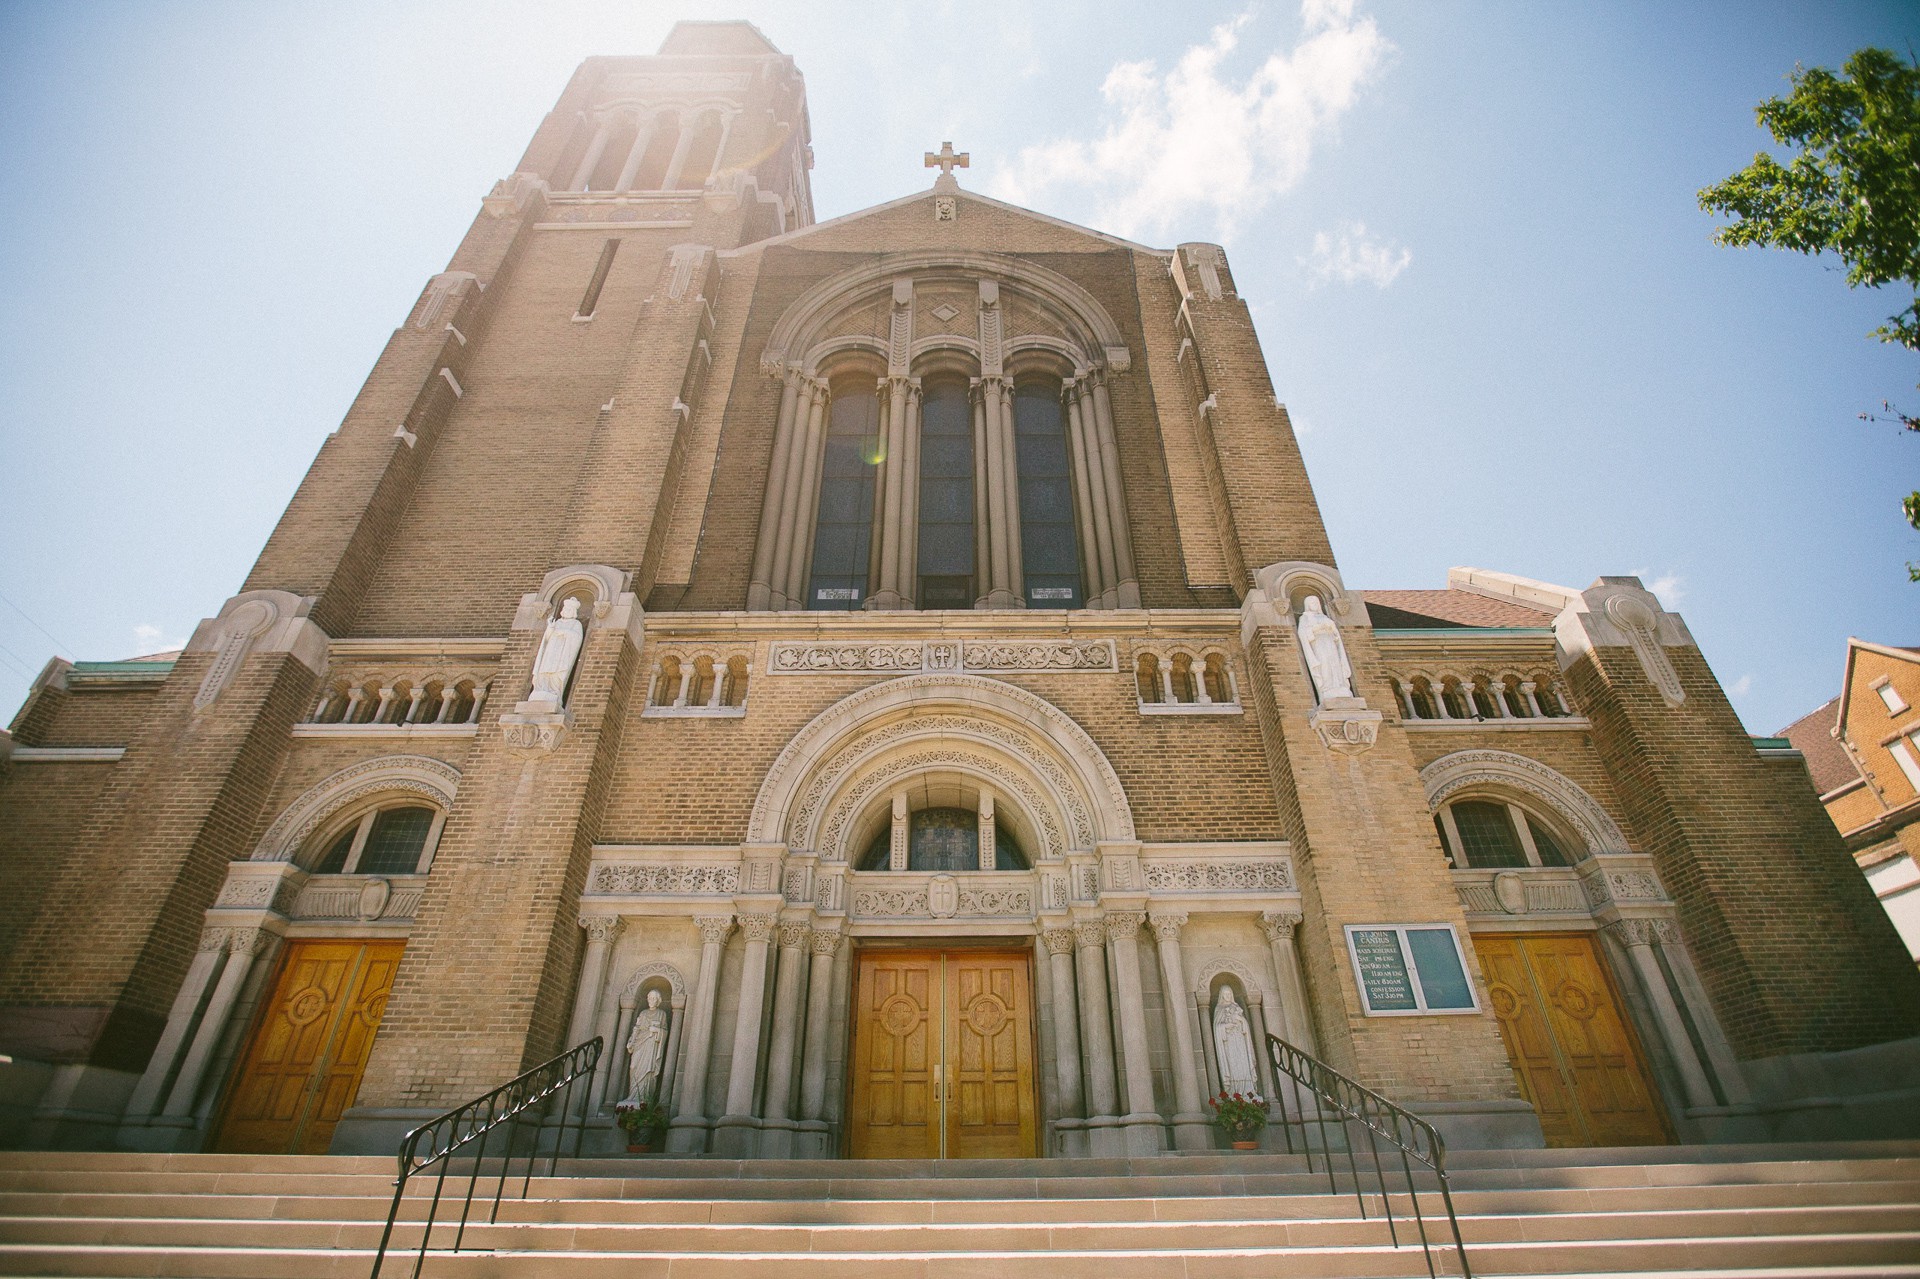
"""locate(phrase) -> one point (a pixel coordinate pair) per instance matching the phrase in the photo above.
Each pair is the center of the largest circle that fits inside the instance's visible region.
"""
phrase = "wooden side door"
(1573, 1052)
(896, 1049)
(302, 1065)
(989, 1082)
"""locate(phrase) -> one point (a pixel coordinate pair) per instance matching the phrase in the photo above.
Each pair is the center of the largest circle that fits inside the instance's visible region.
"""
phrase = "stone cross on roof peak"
(946, 159)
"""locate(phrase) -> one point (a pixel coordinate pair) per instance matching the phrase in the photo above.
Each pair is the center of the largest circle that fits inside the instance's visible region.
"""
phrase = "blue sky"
(1468, 233)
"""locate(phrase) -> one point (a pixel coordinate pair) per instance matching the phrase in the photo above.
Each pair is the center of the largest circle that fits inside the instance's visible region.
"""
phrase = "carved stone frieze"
(627, 879)
(358, 897)
(1344, 730)
(1267, 875)
(983, 656)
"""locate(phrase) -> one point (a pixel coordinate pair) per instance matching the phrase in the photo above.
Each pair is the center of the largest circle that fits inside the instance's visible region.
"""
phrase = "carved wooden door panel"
(302, 1064)
(988, 1090)
(943, 1056)
(1572, 1050)
(896, 1048)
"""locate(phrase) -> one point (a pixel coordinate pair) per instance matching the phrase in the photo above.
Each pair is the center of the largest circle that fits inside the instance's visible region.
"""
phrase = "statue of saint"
(1233, 1046)
(559, 649)
(647, 1049)
(1326, 653)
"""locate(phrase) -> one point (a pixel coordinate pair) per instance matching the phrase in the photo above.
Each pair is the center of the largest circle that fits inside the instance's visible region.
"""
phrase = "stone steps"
(1767, 1212)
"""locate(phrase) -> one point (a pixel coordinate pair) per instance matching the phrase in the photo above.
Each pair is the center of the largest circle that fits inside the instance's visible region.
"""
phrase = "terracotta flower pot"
(1246, 1145)
(639, 1147)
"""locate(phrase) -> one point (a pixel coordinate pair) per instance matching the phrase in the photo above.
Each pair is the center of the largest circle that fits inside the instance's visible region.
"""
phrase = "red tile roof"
(1812, 736)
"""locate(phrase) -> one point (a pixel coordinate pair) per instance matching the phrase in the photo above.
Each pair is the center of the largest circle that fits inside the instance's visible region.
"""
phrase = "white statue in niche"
(1326, 653)
(559, 649)
(647, 1049)
(1233, 1045)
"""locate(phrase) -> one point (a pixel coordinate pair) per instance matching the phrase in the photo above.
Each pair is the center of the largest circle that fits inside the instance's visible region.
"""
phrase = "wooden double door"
(1573, 1050)
(943, 1056)
(302, 1063)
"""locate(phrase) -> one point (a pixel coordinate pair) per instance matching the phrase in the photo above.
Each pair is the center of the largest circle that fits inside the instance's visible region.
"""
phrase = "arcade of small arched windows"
(654, 148)
(430, 700)
(710, 684)
(1185, 679)
(1437, 697)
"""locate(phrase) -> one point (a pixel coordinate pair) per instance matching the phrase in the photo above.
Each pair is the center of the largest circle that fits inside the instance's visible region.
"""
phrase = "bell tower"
(718, 113)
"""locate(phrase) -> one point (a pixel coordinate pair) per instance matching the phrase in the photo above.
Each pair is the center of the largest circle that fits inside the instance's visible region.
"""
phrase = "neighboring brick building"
(1863, 755)
(890, 679)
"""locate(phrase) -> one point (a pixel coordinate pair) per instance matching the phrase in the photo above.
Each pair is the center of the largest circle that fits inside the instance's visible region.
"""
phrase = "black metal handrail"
(1353, 1103)
(435, 1141)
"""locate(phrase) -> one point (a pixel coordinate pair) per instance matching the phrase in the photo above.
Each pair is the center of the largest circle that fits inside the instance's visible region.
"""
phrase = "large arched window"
(1484, 832)
(1049, 554)
(843, 533)
(946, 542)
(945, 840)
(394, 839)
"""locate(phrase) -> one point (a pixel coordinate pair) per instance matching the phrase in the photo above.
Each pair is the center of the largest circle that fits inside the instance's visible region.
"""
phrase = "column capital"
(1279, 924)
(1059, 941)
(214, 938)
(1122, 924)
(248, 941)
(602, 928)
(1167, 924)
(824, 941)
(793, 936)
(713, 928)
(1090, 933)
(1634, 932)
(758, 927)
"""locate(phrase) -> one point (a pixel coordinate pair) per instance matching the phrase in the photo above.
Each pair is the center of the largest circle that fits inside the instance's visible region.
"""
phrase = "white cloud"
(1191, 141)
(1740, 687)
(1670, 587)
(152, 639)
(1352, 255)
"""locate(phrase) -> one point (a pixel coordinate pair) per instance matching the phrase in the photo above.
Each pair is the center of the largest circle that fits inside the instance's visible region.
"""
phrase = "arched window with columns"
(1013, 501)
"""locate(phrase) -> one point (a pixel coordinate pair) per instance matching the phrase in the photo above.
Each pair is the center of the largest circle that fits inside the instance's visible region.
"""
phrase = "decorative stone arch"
(1003, 732)
(1251, 983)
(637, 980)
(600, 584)
(793, 333)
(419, 775)
(1451, 774)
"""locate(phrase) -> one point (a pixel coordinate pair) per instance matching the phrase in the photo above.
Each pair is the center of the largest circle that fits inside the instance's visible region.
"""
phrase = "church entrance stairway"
(1765, 1212)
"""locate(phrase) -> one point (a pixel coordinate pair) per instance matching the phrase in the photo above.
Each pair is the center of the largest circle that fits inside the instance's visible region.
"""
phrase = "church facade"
(889, 679)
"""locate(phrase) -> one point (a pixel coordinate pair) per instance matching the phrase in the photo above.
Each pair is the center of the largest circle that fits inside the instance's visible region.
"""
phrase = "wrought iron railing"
(439, 1140)
(1337, 1104)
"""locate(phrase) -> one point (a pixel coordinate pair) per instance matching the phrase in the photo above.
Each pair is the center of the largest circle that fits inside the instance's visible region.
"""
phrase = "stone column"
(1637, 936)
(1066, 1022)
(1296, 1025)
(611, 1081)
(688, 1134)
(1096, 1032)
(989, 850)
(777, 1141)
(720, 151)
(781, 494)
(745, 1067)
(602, 930)
(642, 139)
(1010, 511)
(813, 1072)
(907, 569)
(1145, 1133)
(1190, 1122)
(670, 1068)
(243, 947)
(595, 149)
(1085, 530)
(1000, 568)
(982, 519)
(894, 481)
(807, 503)
(1693, 995)
(1262, 1059)
(671, 181)
(180, 1019)
(1127, 587)
(899, 836)
(1204, 1015)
